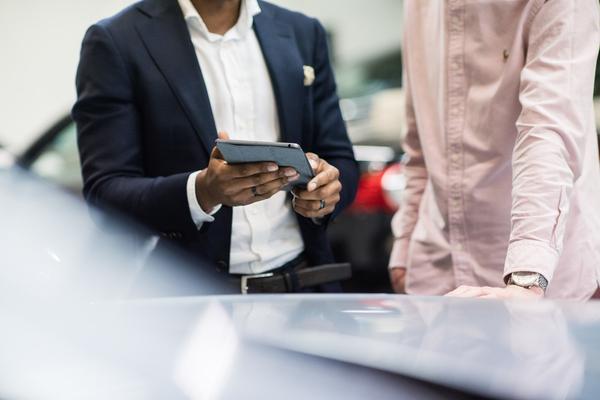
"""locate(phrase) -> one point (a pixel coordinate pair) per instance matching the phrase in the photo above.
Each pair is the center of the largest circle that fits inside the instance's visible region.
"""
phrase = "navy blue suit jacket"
(145, 123)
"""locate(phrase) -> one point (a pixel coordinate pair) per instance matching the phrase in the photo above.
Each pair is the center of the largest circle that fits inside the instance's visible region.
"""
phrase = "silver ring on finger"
(254, 193)
(322, 205)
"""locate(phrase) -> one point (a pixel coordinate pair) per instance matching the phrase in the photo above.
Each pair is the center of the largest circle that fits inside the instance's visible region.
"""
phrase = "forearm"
(556, 97)
(160, 203)
(405, 219)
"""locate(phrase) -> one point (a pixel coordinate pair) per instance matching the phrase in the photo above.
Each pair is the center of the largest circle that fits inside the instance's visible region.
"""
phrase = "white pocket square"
(309, 75)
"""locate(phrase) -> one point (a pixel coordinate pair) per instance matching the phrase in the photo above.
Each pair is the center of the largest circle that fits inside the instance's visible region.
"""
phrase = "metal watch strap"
(540, 282)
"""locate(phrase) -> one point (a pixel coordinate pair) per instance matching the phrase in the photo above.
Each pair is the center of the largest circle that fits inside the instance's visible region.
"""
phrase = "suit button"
(221, 266)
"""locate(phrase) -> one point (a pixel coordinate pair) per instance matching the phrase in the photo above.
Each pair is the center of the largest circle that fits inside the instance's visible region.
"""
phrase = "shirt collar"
(248, 9)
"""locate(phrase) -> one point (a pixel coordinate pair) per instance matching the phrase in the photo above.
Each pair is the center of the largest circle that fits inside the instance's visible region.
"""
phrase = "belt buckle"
(246, 278)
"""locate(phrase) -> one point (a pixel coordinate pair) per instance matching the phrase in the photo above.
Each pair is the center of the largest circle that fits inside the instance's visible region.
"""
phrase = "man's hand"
(239, 185)
(398, 280)
(322, 192)
(509, 292)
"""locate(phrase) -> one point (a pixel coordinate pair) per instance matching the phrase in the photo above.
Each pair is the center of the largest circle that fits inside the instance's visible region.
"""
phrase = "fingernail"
(293, 178)
(272, 167)
(312, 186)
(313, 163)
(290, 172)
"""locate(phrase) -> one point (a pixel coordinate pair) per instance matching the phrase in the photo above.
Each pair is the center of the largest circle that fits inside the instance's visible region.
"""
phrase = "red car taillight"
(379, 191)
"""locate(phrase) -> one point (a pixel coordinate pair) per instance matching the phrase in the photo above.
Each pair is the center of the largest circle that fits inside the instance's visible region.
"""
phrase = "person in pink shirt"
(503, 176)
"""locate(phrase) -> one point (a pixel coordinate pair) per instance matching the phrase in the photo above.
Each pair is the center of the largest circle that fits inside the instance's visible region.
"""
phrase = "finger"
(262, 192)
(251, 198)
(471, 292)
(308, 205)
(314, 214)
(327, 175)
(223, 135)
(315, 205)
(262, 179)
(255, 199)
(324, 192)
(275, 185)
(249, 169)
(298, 193)
(459, 290)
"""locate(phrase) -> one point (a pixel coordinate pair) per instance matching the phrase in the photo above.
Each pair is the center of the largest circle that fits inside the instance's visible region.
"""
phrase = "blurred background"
(42, 40)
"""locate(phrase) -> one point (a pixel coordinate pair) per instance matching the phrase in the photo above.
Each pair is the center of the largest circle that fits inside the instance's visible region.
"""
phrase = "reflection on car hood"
(72, 329)
(54, 245)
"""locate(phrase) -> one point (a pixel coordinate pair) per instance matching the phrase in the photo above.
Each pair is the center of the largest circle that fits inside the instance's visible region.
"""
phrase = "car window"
(59, 160)
(370, 76)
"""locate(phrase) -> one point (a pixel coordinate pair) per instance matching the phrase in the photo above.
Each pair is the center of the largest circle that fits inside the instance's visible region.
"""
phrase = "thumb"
(216, 153)
(223, 136)
(313, 160)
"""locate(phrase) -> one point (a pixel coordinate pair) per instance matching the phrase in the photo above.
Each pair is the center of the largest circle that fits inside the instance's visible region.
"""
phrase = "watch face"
(525, 279)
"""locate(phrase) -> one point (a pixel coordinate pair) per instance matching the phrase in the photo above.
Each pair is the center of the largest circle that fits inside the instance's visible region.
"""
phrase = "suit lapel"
(167, 39)
(285, 68)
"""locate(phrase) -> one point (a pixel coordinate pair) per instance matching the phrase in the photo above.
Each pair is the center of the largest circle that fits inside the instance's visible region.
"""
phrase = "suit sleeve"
(110, 140)
(331, 139)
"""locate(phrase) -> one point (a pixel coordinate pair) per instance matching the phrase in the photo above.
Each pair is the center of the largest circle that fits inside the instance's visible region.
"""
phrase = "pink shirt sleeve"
(415, 172)
(550, 146)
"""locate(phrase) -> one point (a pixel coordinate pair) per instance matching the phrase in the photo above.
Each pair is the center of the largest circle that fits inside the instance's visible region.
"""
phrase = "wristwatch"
(527, 280)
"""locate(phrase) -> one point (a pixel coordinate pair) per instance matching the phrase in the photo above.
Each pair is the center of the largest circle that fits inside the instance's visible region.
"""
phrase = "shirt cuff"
(199, 216)
(399, 255)
(531, 256)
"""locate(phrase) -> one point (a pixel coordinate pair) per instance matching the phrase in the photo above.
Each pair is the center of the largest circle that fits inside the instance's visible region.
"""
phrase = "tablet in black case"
(282, 154)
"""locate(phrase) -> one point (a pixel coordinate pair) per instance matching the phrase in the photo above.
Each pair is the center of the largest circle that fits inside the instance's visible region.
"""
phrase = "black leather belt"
(293, 278)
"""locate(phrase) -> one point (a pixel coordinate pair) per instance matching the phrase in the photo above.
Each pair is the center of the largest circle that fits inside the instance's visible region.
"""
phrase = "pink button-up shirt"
(501, 148)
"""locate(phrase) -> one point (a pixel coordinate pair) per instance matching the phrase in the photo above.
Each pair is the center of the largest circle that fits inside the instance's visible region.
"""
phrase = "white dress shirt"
(265, 235)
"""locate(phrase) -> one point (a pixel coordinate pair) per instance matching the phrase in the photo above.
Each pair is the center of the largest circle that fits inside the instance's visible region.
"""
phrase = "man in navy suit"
(160, 81)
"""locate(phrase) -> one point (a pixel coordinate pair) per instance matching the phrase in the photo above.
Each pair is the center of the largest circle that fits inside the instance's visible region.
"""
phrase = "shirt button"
(457, 247)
